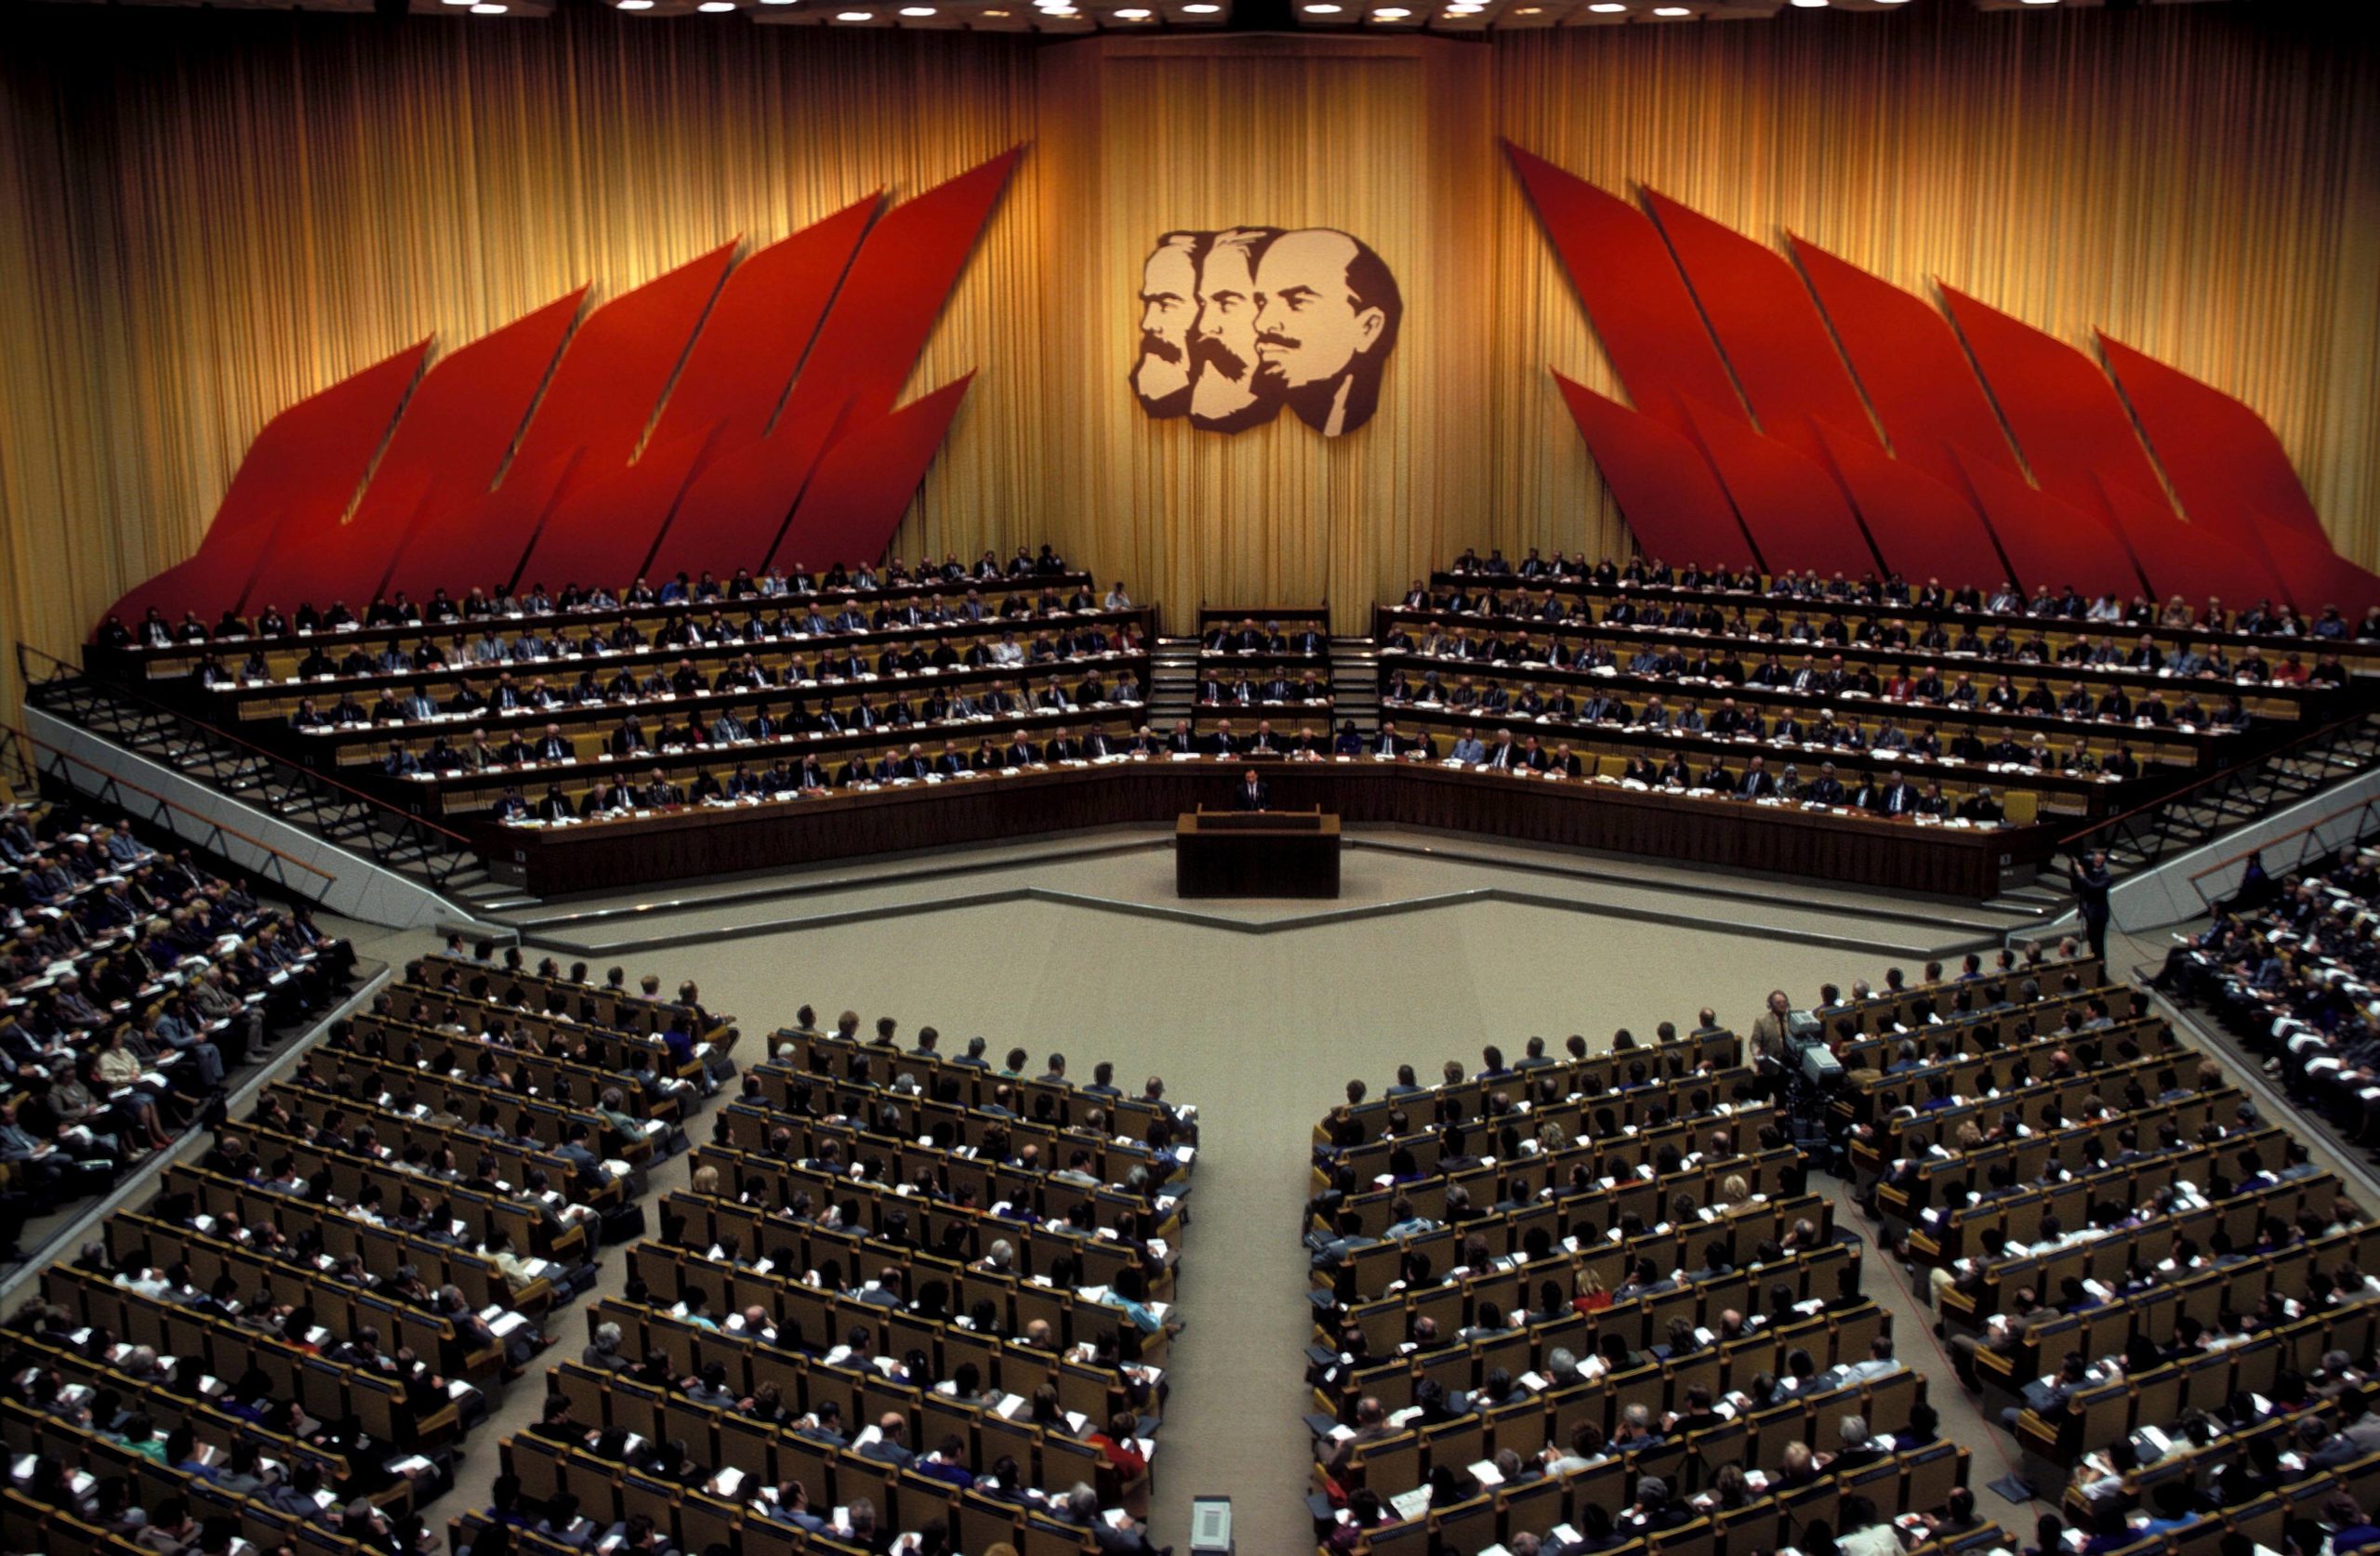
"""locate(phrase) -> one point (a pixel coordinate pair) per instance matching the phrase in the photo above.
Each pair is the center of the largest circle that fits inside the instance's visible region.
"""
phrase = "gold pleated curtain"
(205, 215)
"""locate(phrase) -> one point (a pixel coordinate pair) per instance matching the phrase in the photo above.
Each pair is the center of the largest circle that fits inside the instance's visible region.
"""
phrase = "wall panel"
(205, 215)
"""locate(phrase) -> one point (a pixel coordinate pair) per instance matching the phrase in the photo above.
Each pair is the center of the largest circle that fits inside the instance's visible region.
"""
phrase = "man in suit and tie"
(1895, 799)
(552, 747)
(1179, 740)
(1503, 756)
(1756, 783)
(1253, 793)
(1223, 742)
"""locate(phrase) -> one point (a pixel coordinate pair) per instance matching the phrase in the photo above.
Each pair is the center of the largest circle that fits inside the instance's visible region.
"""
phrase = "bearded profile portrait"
(1168, 299)
(1224, 393)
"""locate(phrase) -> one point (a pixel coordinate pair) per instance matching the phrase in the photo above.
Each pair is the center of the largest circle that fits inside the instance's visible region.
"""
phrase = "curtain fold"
(207, 214)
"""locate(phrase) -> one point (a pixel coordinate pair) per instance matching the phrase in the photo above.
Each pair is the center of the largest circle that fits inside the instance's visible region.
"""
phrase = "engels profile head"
(1225, 394)
(1168, 302)
(1327, 313)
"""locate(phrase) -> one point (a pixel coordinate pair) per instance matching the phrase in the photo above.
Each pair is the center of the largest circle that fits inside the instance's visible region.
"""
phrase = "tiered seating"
(327, 1297)
(1641, 1307)
(724, 695)
(1268, 671)
(2122, 1251)
(1640, 672)
(2287, 966)
(2175, 620)
(136, 984)
(900, 1285)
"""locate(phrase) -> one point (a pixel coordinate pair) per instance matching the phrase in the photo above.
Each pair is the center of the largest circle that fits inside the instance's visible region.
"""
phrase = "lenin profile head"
(1237, 323)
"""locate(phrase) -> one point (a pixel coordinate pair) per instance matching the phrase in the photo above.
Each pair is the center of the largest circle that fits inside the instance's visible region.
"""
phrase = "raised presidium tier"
(1577, 1301)
(1868, 703)
(908, 1299)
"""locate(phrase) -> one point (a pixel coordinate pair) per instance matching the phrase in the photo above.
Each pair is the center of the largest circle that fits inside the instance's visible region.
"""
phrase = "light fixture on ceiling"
(1322, 7)
(854, 16)
(716, 7)
(1391, 13)
(1811, 5)
(636, 5)
(1670, 10)
(2041, 2)
(1202, 10)
(489, 8)
(1606, 7)
(1134, 14)
(916, 10)
(1531, 10)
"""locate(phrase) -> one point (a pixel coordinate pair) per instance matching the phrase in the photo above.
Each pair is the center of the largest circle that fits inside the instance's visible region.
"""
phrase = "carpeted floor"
(1261, 1031)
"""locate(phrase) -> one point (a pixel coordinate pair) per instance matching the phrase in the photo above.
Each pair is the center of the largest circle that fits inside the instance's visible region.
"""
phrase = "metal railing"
(361, 823)
(17, 768)
(2308, 841)
(146, 804)
(2187, 816)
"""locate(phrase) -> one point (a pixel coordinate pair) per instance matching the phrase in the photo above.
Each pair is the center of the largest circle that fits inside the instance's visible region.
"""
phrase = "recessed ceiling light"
(489, 8)
(715, 6)
(1670, 10)
(1391, 13)
(1134, 14)
(1531, 10)
(1607, 6)
(916, 10)
(854, 16)
(2041, 2)
(1202, 10)
(636, 5)
(1810, 5)
(1322, 9)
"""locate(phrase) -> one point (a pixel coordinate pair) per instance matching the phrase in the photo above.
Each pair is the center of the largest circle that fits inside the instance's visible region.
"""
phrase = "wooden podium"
(1256, 853)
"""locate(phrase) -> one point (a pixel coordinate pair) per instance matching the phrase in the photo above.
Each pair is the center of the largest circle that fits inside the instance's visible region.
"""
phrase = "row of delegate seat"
(875, 1234)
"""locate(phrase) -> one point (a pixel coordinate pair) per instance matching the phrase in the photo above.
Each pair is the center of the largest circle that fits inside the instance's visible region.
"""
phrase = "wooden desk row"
(2362, 657)
(2266, 699)
(178, 657)
(712, 841)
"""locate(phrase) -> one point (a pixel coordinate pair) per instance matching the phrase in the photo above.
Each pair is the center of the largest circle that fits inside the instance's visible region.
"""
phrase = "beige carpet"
(1262, 1032)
